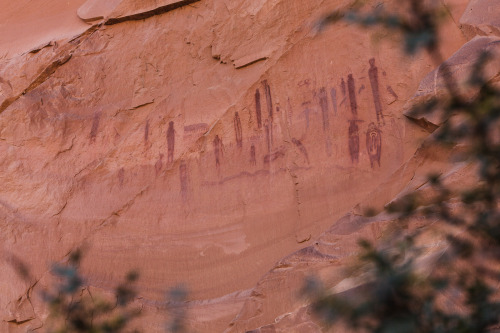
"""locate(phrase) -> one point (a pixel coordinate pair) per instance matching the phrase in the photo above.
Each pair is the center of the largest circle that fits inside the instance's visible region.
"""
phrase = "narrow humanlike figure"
(253, 155)
(333, 94)
(269, 99)
(374, 144)
(217, 150)
(352, 95)
(146, 132)
(121, 176)
(269, 134)
(170, 142)
(159, 164)
(95, 126)
(344, 93)
(237, 130)
(307, 112)
(354, 140)
(183, 176)
(323, 102)
(258, 108)
(373, 74)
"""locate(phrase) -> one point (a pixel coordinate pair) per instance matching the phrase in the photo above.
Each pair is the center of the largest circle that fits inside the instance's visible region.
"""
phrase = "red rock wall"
(200, 143)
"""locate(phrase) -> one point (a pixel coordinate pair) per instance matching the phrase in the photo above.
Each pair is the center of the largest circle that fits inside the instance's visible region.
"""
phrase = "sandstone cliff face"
(203, 142)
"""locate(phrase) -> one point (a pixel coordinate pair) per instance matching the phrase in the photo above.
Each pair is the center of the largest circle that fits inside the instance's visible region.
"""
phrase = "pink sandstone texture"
(226, 145)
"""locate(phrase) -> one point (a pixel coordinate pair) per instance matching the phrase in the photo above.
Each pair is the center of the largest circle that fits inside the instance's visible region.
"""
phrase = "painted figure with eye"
(374, 144)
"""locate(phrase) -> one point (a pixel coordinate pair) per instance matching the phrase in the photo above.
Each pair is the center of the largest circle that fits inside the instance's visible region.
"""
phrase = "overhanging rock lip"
(116, 17)
(246, 61)
(94, 10)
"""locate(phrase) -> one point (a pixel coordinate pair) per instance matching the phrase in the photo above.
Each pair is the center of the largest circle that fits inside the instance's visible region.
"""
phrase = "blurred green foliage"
(73, 308)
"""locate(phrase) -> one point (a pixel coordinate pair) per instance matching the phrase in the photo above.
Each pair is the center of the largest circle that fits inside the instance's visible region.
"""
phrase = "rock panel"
(29, 24)
(93, 10)
(481, 17)
(456, 70)
(198, 145)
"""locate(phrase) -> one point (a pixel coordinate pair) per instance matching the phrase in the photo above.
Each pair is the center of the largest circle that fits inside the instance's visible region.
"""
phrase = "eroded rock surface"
(456, 74)
(481, 18)
(225, 145)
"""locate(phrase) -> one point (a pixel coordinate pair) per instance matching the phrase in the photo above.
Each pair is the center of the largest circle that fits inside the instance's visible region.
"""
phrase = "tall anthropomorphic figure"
(218, 150)
(374, 82)
(183, 176)
(237, 130)
(170, 142)
(354, 140)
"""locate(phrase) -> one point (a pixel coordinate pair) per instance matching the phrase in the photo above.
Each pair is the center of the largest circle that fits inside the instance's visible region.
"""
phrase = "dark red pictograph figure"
(343, 88)
(333, 94)
(302, 149)
(183, 176)
(269, 134)
(146, 132)
(391, 91)
(373, 74)
(253, 155)
(351, 88)
(217, 150)
(237, 130)
(374, 144)
(279, 153)
(95, 126)
(258, 108)
(307, 112)
(353, 132)
(289, 113)
(159, 164)
(269, 99)
(121, 176)
(354, 140)
(170, 142)
(323, 102)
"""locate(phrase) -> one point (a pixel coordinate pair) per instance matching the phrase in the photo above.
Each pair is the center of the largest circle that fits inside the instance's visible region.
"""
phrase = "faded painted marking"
(352, 95)
(253, 155)
(374, 82)
(170, 142)
(258, 108)
(374, 144)
(217, 143)
(269, 99)
(237, 130)
(354, 140)
(323, 102)
(333, 94)
(301, 148)
(183, 177)
(95, 126)
(146, 132)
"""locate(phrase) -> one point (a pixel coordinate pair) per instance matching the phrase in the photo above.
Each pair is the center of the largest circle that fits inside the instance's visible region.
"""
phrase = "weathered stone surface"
(116, 11)
(455, 73)
(27, 24)
(275, 304)
(202, 145)
(277, 296)
(93, 10)
(481, 17)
